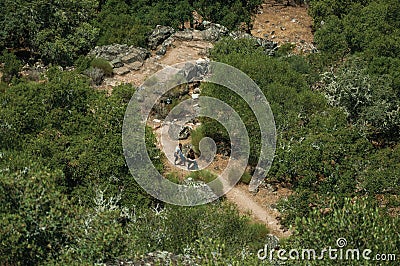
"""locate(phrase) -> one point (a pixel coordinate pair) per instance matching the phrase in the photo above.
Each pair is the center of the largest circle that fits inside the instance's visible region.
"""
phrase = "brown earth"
(285, 24)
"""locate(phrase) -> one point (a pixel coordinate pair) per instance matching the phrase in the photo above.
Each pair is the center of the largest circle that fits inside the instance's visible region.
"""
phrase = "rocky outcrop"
(185, 132)
(125, 59)
(210, 32)
(195, 71)
(122, 56)
(159, 35)
(269, 46)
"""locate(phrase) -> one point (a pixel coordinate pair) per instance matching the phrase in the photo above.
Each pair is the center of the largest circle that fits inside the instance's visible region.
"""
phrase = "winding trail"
(247, 204)
(239, 195)
(283, 24)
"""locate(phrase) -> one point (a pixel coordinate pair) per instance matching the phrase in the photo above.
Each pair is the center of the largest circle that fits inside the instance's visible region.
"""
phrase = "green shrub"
(173, 177)
(82, 63)
(102, 64)
(202, 175)
(361, 223)
(34, 215)
(197, 135)
(246, 178)
(11, 66)
(285, 49)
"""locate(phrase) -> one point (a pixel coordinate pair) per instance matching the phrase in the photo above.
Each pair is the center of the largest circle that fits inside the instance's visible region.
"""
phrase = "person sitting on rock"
(178, 154)
(191, 158)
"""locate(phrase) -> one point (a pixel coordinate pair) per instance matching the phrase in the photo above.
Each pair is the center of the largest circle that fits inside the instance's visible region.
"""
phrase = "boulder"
(135, 65)
(159, 35)
(116, 63)
(197, 35)
(120, 53)
(121, 70)
(186, 35)
(184, 133)
(195, 71)
(162, 51)
(135, 54)
(213, 32)
(168, 42)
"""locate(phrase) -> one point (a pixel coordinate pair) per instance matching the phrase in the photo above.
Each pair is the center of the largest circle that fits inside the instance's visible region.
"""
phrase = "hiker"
(191, 158)
(179, 155)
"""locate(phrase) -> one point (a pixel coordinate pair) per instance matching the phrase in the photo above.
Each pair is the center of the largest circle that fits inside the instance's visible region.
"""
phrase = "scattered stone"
(135, 65)
(119, 51)
(185, 35)
(121, 70)
(157, 258)
(185, 133)
(159, 35)
(116, 63)
(162, 51)
(268, 46)
(195, 71)
(168, 42)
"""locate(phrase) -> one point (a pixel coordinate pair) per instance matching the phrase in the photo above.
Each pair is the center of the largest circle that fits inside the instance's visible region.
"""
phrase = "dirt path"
(248, 203)
(259, 206)
(283, 24)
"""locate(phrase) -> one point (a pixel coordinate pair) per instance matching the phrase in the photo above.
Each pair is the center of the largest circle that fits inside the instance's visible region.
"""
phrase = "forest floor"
(274, 21)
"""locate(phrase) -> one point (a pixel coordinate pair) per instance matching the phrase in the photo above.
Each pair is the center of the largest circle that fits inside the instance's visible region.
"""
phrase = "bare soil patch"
(285, 24)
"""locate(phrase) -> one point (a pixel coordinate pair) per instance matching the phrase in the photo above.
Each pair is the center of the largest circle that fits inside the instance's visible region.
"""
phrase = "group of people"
(190, 158)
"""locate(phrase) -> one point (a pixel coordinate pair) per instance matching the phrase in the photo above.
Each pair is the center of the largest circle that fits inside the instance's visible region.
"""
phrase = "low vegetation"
(66, 194)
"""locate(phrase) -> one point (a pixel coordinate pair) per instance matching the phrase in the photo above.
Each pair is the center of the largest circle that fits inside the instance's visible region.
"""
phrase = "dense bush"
(336, 113)
(34, 213)
(77, 202)
(55, 31)
(321, 150)
(369, 100)
(11, 66)
(362, 224)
